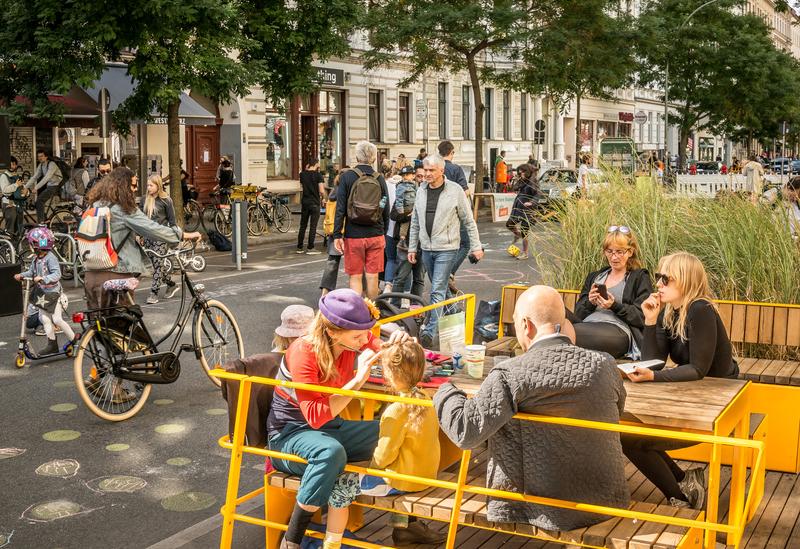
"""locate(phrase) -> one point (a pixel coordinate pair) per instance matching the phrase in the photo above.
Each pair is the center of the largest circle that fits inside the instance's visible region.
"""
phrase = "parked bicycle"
(192, 215)
(276, 211)
(117, 360)
(188, 257)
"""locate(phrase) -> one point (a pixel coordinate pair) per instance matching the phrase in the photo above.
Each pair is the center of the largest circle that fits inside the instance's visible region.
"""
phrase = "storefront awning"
(80, 110)
(120, 86)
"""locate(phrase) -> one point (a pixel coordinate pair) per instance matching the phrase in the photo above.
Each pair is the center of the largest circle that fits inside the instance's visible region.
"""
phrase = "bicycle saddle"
(121, 284)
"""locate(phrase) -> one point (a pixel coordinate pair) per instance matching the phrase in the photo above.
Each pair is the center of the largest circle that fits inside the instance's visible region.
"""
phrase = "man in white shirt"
(583, 175)
(45, 181)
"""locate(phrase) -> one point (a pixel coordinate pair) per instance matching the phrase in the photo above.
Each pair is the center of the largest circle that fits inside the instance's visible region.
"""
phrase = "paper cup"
(473, 360)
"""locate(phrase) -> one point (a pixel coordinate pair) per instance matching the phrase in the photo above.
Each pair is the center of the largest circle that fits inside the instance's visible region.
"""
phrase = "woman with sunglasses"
(682, 323)
(608, 315)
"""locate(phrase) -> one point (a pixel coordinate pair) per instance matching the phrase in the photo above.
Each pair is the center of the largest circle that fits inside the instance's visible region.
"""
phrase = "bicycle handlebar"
(176, 252)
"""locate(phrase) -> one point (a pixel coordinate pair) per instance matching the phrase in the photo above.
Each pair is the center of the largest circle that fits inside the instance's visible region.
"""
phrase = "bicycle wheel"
(64, 250)
(192, 214)
(63, 221)
(283, 217)
(198, 263)
(256, 221)
(7, 253)
(216, 335)
(222, 222)
(106, 395)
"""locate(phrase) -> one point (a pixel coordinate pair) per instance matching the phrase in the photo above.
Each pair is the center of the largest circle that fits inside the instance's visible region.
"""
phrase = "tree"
(722, 67)
(449, 35)
(581, 49)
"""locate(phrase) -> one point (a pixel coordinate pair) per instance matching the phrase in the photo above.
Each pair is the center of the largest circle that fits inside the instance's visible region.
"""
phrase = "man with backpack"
(362, 215)
(46, 182)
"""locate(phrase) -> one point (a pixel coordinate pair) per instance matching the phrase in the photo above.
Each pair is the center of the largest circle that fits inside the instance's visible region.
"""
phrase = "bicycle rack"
(10, 246)
(72, 261)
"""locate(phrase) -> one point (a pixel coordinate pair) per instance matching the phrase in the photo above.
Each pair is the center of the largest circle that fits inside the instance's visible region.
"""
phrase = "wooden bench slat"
(770, 372)
(745, 364)
(737, 323)
(793, 328)
(726, 314)
(627, 528)
(673, 535)
(780, 319)
(650, 531)
(784, 375)
(754, 373)
(765, 325)
(752, 323)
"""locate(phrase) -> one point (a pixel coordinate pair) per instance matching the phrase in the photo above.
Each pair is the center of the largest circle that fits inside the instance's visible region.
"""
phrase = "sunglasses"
(664, 279)
(619, 228)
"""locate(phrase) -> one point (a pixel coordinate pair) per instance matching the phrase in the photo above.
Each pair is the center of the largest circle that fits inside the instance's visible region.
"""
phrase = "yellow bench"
(775, 393)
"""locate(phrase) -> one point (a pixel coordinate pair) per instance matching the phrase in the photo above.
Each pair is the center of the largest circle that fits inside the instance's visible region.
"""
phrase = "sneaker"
(152, 299)
(694, 486)
(120, 395)
(312, 251)
(417, 532)
(172, 289)
(39, 331)
(288, 544)
(522, 256)
(299, 251)
(679, 503)
(387, 288)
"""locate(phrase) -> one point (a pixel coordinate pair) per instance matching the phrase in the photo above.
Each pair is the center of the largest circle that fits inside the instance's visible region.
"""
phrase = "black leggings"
(649, 455)
(309, 216)
(601, 336)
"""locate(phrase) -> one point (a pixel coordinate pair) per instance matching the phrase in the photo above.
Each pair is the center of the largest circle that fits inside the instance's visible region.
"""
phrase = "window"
(374, 115)
(466, 112)
(587, 135)
(650, 127)
(487, 113)
(405, 102)
(624, 130)
(506, 115)
(442, 110)
(523, 116)
(605, 129)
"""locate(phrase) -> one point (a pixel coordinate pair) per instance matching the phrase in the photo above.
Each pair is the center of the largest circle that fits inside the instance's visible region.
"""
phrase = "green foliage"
(746, 248)
(582, 49)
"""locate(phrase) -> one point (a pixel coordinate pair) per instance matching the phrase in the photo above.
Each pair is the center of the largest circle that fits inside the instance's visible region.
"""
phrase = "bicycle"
(195, 262)
(275, 211)
(223, 215)
(117, 360)
(192, 215)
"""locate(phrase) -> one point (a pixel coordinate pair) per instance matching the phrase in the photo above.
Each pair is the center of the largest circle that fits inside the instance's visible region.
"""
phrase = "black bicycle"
(117, 359)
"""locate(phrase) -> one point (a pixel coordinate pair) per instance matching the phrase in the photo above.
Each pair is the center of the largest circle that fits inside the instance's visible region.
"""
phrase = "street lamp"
(666, 81)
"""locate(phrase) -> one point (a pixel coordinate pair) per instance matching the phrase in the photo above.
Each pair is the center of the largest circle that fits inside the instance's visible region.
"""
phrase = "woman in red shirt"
(337, 352)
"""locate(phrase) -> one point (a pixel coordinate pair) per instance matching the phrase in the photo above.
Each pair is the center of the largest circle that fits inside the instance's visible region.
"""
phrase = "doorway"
(202, 150)
(308, 140)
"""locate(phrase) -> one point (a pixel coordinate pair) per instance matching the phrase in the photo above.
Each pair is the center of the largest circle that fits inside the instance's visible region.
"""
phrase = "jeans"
(41, 202)
(390, 267)
(330, 274)
(309, 215)
(463, 249)
(438, 265)
(406, 270)
(327, 450)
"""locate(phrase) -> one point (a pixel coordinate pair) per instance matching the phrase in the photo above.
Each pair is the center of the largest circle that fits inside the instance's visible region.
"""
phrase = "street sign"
(538, 132)
(640, 117)
(422, 109)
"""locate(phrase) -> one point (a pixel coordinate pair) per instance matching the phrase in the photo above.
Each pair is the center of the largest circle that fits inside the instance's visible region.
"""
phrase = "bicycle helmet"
(41, 238)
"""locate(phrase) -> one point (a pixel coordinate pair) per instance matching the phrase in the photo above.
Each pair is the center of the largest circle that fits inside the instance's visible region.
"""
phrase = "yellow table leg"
(235, 468)
(738, 478)
(712, 502)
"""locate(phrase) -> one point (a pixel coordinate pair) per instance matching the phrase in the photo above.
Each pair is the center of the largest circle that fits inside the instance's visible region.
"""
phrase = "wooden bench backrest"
(767, 323)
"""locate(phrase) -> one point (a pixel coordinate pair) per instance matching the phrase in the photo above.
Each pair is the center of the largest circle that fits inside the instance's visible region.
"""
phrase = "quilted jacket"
(553, 378)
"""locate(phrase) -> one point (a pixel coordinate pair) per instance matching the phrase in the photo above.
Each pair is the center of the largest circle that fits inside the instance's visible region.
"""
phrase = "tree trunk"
(479, 112)
(684, 140)
(174, 151)
(578, 133)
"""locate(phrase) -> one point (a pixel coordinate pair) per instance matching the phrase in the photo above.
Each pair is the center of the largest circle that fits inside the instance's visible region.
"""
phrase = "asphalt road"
(71, 480)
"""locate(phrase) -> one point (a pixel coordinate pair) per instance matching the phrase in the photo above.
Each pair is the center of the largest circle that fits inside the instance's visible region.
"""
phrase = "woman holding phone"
(337, 352)
(681, 323)
(608, 315)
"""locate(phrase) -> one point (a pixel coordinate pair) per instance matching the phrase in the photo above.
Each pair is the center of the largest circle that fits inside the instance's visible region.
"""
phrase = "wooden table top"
(688, 405)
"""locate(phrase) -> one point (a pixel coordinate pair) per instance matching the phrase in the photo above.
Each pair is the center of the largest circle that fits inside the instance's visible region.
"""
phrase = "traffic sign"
(422, 109)
(640, 117)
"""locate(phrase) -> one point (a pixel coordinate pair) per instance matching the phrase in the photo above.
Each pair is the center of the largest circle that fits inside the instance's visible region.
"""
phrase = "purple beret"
(346, 309)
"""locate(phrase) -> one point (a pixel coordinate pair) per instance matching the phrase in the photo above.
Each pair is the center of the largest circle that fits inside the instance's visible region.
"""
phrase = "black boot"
(50, 349)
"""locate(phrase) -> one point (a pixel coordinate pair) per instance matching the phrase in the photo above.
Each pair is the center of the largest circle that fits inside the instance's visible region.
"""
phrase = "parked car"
(705, 167)
(785, 165)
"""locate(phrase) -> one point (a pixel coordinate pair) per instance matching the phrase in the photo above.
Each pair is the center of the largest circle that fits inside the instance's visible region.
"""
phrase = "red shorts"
(363, 255)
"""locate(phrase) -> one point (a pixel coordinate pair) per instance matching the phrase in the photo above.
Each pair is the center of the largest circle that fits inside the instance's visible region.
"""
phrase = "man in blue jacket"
(453, 172)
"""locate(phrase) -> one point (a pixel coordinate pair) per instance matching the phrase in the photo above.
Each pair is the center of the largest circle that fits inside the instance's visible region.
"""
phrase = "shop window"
(488, 112)
(278, 146)
(404, 116)
(623, 130)
(523, 116)
(587, 135)
(329, 130)
(605, 129)
(442, 114)
(466, 112)
(375, 115)
(506, 115)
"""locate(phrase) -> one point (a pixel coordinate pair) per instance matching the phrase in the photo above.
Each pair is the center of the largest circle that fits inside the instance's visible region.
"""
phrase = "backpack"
(64, 168)
(94, 240)
(365, 202)
(219, 241)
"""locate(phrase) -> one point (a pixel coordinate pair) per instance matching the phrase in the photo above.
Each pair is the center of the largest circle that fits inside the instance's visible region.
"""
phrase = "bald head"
(542, 305)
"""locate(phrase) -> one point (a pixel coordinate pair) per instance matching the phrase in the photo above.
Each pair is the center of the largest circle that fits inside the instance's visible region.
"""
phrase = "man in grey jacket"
(45, 180)
(552, 378)
(439, 212)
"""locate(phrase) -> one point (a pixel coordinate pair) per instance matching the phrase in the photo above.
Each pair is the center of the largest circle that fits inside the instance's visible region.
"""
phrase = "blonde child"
(295, 320)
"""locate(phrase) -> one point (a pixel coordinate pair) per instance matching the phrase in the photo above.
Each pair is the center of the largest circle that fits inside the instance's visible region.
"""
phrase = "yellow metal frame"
(742, 507)
(469, 315)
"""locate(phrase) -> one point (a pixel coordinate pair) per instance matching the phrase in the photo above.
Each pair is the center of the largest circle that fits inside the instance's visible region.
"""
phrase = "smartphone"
(602, 290)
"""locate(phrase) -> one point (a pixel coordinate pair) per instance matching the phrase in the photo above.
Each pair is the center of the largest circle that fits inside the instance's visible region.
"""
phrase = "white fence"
(709, 185)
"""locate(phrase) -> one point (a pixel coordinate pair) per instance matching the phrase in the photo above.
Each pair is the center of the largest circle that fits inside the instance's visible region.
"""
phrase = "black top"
(354, 230)
(522, 214)
(638, 287)
(430, 206)
(455, 173)
(310, 180)
(705, 352)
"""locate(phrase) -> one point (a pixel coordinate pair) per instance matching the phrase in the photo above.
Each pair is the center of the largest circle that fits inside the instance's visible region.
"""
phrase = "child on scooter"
(47, 295)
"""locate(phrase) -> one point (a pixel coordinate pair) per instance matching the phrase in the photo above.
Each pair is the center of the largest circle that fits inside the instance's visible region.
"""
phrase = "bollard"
(239, 226)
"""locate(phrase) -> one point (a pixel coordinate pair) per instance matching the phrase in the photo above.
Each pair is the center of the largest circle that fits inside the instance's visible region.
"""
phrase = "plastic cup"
(473, 360)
